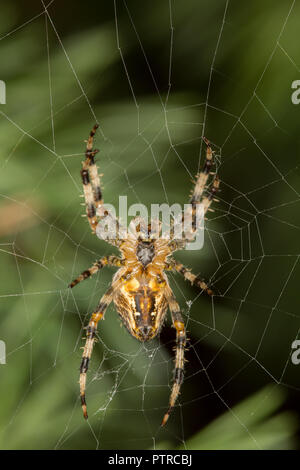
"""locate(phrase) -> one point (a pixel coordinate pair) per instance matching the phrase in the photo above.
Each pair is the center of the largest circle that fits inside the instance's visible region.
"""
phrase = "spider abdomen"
(142, 307)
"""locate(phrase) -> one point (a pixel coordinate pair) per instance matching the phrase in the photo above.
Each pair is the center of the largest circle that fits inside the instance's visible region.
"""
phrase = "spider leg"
(173, 265)
(199, 197)
(94, 207)
(203, 176)
(91, 181)
(90, 339)
(179, 358)
(99, 264)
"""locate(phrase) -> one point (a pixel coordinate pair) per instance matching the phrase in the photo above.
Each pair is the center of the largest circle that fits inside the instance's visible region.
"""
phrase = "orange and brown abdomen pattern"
(142, 306)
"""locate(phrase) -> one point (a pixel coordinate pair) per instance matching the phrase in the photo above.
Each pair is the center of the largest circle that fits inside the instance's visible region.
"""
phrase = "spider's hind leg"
(179, 358)
(89, 344)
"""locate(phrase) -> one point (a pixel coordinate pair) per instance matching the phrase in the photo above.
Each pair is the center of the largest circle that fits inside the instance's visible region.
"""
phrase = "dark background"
(157, 76)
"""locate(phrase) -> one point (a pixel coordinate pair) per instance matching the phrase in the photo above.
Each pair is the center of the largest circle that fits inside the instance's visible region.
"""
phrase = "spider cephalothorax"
(140, 289)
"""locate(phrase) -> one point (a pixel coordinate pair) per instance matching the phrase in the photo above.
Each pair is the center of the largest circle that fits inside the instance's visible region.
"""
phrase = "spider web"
(149, 142)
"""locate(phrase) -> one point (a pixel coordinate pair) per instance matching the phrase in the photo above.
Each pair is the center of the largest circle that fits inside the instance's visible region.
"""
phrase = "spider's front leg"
(91, 181)
(89, 344)
(179, 359)
(202, 180)
(202, 194)
(94, 206)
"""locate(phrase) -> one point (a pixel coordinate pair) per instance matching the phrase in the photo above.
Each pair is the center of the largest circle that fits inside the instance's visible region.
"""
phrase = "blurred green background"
(157, 75)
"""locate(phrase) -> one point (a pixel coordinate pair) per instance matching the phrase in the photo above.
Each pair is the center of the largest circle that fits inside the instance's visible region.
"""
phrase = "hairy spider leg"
(179, 357)
(89, 344)
(110, 260)
(173, 265)
(198, 197)
(91, 181)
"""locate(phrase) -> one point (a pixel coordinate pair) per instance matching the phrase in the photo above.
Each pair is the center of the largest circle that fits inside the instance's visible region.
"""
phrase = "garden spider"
(140, 289)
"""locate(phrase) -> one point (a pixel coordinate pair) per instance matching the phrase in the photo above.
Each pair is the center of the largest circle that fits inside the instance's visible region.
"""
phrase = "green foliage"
(263, 427)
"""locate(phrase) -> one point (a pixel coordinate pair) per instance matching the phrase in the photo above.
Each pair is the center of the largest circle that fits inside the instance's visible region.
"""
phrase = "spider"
(140, 289)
